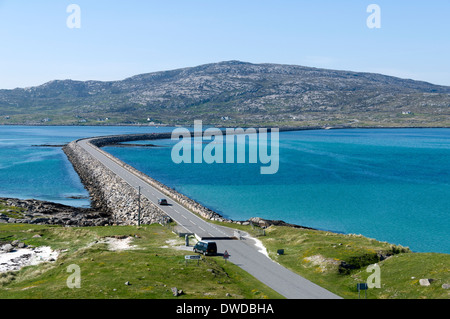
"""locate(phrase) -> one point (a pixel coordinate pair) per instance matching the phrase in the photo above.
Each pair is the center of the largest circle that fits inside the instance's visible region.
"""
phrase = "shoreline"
(41, 212)
(255, 220)
(182, 199)
(263, 223)
(281, 128)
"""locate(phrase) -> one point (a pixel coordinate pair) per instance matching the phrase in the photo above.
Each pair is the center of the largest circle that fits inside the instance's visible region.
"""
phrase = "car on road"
(206, 248)
(162, 201)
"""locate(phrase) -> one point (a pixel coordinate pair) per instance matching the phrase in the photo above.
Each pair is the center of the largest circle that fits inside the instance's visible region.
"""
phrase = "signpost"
(192, 257)
(360, 287)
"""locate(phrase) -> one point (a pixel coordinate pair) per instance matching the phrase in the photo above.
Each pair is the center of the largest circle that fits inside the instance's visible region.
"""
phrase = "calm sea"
(44, 173)
(388, 184)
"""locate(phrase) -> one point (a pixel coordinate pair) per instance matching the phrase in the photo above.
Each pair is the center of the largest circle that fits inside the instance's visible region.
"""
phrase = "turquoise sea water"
(44, 173)
(388, 184)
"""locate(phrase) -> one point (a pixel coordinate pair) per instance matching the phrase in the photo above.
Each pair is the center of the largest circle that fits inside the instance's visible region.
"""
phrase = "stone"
(446, 286)
(176, 292)
(425, 282)
(7, 248)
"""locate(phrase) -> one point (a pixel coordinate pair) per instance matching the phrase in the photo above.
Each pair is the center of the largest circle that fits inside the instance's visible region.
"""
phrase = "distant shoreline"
(263, 222)
(281, 128)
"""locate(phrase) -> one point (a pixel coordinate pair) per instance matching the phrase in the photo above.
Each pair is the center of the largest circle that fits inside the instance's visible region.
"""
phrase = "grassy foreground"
(339, 262)
(334, 261)
(151, 268)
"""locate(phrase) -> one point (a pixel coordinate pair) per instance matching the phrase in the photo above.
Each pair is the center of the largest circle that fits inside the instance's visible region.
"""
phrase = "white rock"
(425, 282)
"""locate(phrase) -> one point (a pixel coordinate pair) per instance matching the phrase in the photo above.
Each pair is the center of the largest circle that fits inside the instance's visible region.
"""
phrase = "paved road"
(244, 253)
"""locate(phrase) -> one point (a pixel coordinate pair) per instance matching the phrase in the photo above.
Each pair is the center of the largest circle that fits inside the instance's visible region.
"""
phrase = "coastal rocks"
(264, 223)
(7, 248)
(46, 213)
(111, 194)
(169, 192)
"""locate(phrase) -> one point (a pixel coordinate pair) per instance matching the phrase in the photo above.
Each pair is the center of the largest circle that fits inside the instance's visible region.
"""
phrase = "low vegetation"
(339, 262)
(233, 94)
(155, 264)
(150, 268)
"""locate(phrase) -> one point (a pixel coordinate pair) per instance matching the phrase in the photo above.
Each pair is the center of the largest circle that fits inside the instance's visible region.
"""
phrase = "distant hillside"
(234, 93)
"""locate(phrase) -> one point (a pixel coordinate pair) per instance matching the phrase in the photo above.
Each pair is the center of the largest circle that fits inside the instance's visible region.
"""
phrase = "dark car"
(162, 201)
(206, 248)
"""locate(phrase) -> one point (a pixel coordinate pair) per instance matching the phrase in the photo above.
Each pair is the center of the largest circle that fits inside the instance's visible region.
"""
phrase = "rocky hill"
(233, 93)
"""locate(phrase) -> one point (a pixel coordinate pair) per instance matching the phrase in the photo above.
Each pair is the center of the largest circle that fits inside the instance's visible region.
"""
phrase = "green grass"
(318, 256)
(151, 270)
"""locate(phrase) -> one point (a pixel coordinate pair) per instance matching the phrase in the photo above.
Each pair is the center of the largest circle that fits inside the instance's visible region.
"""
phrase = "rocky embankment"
(169, 192)
(111, 194)
(113, 201)
(33, 211)
(172, 193)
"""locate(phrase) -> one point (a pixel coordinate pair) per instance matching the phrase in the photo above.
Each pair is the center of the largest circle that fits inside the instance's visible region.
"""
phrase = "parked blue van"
(206, 248)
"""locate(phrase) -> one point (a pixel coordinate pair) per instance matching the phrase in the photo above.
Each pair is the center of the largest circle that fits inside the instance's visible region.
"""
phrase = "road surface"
(245, 253)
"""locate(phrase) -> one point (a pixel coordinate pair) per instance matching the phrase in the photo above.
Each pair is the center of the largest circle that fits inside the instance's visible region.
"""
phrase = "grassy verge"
(339, 262)
(336, 262)
(151, 268)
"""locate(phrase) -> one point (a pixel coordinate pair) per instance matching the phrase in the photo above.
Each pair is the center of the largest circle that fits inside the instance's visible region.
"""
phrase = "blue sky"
(118, 39)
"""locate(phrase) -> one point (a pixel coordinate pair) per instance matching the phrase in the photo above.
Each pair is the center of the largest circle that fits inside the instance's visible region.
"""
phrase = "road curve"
(244, 253)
